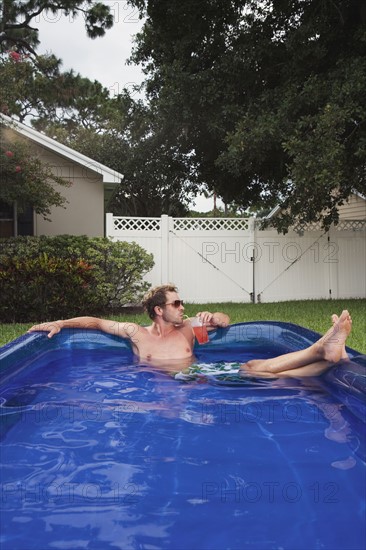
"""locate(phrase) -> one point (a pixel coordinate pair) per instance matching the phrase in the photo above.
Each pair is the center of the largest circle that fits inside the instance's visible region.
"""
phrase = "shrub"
(58, 277)
(44, 288)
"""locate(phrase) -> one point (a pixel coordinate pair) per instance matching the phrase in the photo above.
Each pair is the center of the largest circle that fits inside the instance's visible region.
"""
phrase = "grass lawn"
(313, 314)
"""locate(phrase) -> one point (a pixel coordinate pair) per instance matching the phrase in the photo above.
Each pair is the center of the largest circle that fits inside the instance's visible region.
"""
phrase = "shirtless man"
(168, 339)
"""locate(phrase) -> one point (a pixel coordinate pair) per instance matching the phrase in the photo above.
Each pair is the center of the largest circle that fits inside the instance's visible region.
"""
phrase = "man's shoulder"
(185, 326)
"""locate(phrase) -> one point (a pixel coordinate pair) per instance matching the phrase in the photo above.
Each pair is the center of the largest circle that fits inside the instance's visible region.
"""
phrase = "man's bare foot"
(333, 342)
(335, 319)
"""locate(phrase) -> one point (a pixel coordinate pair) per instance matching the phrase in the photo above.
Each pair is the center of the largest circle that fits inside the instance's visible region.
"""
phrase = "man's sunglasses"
(176, 303)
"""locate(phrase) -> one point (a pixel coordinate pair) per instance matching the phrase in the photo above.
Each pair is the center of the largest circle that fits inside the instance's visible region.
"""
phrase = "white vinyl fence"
(232, 260)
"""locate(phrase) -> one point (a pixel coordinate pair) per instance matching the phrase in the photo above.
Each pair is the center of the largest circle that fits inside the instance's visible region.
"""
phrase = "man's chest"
(176, 344)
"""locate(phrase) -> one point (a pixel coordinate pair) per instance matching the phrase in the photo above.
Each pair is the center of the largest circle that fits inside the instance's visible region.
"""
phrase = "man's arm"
(123, 330)
(214, 320)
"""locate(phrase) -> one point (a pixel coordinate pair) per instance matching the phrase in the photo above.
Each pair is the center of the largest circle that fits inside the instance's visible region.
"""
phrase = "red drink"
(201, 334)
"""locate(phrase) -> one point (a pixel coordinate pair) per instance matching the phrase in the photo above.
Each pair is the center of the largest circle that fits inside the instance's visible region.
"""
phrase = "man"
(169, 338)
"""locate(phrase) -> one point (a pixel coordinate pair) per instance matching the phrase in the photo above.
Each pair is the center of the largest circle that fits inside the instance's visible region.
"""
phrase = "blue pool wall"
(228, 342)
(346, 380)
(286, 337)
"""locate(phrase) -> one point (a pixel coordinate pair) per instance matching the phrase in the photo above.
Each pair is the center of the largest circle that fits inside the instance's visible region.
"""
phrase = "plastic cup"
(200, 331)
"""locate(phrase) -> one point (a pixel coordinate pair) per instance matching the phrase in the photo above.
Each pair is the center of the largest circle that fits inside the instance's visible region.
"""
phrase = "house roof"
(109, 176)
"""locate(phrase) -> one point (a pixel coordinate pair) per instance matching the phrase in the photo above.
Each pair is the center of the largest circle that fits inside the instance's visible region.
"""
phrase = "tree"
(268, 97)
(26, 181)
(32, 89)
(33, 84)
(47, 94)
(156, 180)
(17, 18)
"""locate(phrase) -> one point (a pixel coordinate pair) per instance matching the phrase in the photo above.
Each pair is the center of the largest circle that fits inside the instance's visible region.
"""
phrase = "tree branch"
(4, 37)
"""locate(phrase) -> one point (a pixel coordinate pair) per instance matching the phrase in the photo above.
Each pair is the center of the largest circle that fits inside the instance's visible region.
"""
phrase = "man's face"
(171, 313)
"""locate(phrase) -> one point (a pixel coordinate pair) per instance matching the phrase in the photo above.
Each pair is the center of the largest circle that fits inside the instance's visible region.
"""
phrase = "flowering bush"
(27, 181)
(15, 56)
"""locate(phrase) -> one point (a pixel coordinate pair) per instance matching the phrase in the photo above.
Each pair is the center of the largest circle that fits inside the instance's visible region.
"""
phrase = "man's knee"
(252, 364)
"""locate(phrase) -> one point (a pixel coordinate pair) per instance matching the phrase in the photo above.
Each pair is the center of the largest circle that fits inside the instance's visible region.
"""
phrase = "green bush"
(43, 278)
(44, 288)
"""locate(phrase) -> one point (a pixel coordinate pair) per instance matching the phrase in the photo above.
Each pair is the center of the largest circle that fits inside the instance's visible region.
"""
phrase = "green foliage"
(263, 102)
(44, 287)
(33, 84)
(268, 97)
(106, 274)
(26, 180)
(42, 90)
(157, 179)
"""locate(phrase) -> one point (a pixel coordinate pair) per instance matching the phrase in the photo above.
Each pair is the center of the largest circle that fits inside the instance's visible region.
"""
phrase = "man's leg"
(329, 349)
(314, 369)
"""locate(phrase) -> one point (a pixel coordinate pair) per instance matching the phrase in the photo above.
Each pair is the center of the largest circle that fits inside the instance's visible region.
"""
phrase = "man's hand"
(52, 328)
(217, 319)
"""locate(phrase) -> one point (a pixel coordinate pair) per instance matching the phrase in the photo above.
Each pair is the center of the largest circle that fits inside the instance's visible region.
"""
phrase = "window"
(6, 220)
(24, 222)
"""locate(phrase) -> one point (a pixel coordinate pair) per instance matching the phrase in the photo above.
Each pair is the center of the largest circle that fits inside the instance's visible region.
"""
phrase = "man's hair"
(156, 297)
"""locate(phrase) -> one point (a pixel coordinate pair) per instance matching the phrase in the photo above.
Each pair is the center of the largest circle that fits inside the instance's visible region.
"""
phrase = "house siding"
(84, 211)
(353, 209)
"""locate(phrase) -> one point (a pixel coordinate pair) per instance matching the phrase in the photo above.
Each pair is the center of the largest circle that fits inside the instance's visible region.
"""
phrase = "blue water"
(101, 453)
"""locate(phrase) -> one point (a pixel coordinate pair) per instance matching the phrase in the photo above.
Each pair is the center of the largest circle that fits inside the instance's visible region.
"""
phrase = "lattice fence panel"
(136, 224)
(210, 224)
(343, 225)
(353, 225)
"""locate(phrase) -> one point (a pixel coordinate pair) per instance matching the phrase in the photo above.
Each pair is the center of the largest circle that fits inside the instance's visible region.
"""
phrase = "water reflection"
(130, 456)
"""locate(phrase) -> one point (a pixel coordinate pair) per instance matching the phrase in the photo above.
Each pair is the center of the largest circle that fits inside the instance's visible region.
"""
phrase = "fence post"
(164, 249)
(109, 226)
(332, 258)
(253, 257)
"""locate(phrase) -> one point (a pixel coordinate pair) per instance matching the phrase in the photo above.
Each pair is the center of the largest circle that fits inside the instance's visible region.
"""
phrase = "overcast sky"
(102, 59)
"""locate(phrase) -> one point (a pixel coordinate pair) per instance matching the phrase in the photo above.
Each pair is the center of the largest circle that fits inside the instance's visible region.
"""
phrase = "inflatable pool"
(99, 451)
